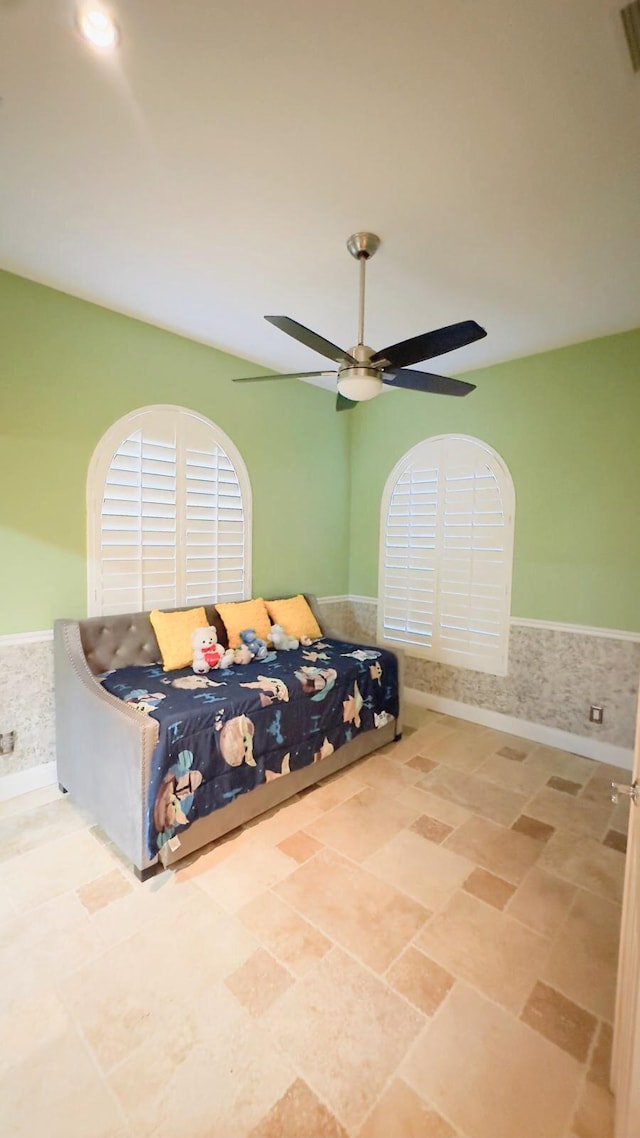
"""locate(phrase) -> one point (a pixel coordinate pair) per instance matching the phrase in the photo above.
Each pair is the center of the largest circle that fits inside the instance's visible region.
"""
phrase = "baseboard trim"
(11, 639)
(34, 778)
(537, 732)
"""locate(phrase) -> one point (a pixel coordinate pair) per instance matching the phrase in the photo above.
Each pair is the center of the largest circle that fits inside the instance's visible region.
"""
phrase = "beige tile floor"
(422, 947)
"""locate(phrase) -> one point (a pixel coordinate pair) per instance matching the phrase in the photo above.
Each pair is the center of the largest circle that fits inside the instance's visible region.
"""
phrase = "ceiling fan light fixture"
(359, 383)
(97, 26)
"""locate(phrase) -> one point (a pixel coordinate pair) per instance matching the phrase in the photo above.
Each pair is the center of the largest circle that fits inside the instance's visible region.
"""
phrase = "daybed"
(156, 783)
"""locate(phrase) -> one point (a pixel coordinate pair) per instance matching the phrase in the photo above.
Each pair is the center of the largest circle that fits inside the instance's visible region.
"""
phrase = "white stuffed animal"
(207, 652)
(281, 641)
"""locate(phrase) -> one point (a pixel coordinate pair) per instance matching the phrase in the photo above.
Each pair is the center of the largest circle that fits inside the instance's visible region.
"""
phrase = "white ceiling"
(210, 171)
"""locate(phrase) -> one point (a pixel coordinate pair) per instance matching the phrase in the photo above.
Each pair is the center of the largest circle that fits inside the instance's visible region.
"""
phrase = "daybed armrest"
(104, 748)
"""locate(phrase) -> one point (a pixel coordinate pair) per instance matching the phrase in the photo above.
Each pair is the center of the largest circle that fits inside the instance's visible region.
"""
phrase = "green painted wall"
(69, 369)
(566, 422)
(568, 425)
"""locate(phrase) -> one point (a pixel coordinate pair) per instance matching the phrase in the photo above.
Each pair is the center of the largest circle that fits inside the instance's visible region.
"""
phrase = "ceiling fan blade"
(291, 375)
(430, 344)
(425, 381)
(310, 339)
(344, 404)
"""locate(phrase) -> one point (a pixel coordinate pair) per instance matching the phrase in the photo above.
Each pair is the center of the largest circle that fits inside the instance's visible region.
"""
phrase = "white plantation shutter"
(446, 554)
(168, 502)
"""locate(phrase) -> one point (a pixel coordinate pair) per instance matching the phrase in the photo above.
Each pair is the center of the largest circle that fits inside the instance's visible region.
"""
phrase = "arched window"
(446, 552)
(168, 514)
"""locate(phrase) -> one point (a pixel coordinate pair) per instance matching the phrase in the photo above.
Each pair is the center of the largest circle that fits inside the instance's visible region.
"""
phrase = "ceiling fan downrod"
(362, 246)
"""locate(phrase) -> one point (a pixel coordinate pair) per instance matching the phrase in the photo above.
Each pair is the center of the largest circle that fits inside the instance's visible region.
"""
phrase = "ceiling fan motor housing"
(362, 382)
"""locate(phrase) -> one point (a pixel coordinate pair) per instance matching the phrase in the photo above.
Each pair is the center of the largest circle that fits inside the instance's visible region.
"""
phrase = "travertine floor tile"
(463, 751)
(401, 1113)
(363, 914)
(616, 841)
(542, 901)
(583, 961)
(245, 874)
(103, 890)
(261, 1015)
(598, 786)
(132, 992)
(489, 888)
(420, 979)
(8, 909)
(384, 774)
(514, 744)
(560, 1020)
(211, 855)
(579, 815)
(23, 803)
(459, 1064)
(487, 948)
(564, 784)
(500, 850)
(476, 794)
(284, 932)
(292, 815)
(600, 1066)
(562, 763)
(159, 899)
(514, 753)
(585, 862)
(58, 1092)
(300, 846)
(347, 1032)
(20, 833)
(258, 982)
(214, 1073)
(299, 1112)
(442, 809)
(69, 862)
(533, 828)
(425, 871)
(40, 947)
(335, 790)
(362, 824)
(413, 715)
(594, 1116)
(419, 741)
(517, 776)
(431, 829)
(422, 763)
(38, 1021)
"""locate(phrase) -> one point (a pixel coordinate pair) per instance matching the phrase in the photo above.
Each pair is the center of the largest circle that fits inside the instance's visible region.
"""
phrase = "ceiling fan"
(362, 373)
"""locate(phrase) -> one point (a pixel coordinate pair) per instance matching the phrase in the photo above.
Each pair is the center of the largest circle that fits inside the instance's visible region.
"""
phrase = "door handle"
(630, 791)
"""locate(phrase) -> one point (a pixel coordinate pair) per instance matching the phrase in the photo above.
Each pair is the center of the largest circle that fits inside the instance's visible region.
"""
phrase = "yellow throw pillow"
(173, 632)
(295, 616)
(238, 615)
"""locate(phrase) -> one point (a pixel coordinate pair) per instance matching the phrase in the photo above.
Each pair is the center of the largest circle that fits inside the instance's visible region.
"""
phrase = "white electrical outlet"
(596, 714)
(7, 743)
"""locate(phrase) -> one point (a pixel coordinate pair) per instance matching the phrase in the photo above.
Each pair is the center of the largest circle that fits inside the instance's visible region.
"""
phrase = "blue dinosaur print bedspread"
(229, 731)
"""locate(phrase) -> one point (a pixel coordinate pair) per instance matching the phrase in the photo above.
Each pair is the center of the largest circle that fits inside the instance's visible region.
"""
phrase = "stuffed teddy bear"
(281, 641)
(256, 646)
(207, 652)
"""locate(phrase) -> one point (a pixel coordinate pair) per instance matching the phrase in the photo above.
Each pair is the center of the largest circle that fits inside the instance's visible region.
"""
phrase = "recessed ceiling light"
(98, 26)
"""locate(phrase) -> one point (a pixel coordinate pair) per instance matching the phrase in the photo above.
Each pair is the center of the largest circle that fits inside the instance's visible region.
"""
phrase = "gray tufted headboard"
(123, 641)
(129, 640)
